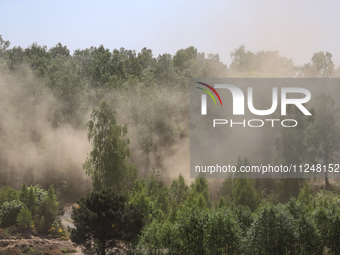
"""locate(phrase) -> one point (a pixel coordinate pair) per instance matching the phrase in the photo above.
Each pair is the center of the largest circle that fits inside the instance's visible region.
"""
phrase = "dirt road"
(66, 218)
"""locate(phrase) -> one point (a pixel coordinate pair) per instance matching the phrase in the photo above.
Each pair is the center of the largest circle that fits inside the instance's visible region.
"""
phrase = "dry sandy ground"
(36, 244)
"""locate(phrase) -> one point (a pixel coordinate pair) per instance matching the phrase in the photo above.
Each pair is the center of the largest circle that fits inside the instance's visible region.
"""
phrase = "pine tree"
(48, 209)
(24, 218)
(102, 218)
(32, 201)
(23, 196)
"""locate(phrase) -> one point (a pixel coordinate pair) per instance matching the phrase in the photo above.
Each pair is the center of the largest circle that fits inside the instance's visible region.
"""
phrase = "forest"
(108, 129)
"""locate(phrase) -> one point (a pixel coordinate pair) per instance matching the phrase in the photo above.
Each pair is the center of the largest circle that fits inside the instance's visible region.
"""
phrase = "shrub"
(9, 212)
(56, 231)
(24, 218)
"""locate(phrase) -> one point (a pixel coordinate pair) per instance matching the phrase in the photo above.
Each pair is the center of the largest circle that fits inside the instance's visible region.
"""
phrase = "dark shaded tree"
(102, 219)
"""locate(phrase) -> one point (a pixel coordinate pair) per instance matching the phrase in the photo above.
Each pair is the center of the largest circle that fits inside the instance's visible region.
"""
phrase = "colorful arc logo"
(204, 97)
(208, 92)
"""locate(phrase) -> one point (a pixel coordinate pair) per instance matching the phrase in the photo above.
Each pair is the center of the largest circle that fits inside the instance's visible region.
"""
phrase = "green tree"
(199, 193)
(185, 58)
(32, 201)
(101, 219)
(3, 46)
(8, 194)
(158, 193)
(24, 218)
(327, 219)
(99, 66)
(48, 210)
(9, 212)
(226, 190)
(63, 78)
(244, 217)
(23, 195)
(291, 144)
(224, 235)
(162, 201)
(241, 60)
(213, 67)
(154, 183)
(152, 237)
(307, 236)
(244, 191)
(59, 51)
(322, 64)
(107, 162)
(178, 189)
(306, 71)
(164, 70)
(192, 231)
(324, 135)
(15, 57)
(139, 198)
(305, 196)
(292, 148)
(38, 58)
(260, 64)
(272, 232)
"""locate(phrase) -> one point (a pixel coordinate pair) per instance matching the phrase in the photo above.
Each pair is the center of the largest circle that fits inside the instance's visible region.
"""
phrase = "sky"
(296, 28)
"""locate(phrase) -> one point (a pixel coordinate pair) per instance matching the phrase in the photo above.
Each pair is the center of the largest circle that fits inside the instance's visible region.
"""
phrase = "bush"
(24, 218)
(56, 231)
(9, 212)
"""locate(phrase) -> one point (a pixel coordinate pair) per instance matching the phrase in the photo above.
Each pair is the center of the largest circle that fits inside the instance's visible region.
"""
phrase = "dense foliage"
(53, 91)
(30, 207)
(102, 219)
(306, 225)
(56, 95)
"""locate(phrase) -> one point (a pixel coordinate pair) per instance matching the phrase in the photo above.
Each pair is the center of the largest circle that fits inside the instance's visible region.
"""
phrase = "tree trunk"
(102, 247)
(327, 185)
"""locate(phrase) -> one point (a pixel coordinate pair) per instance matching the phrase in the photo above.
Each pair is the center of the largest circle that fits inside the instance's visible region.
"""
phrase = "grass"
(9, 233)
(31, 251)
(65, 251)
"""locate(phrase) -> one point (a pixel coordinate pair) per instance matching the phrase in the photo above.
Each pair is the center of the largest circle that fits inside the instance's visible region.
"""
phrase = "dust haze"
(158, 128)
(34, 149)
(31, 150)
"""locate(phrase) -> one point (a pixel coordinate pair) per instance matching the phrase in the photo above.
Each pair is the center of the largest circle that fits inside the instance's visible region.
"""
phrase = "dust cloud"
(31, 150)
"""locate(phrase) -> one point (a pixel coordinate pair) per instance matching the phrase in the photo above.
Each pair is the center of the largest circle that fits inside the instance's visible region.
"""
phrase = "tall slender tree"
(108, 161)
